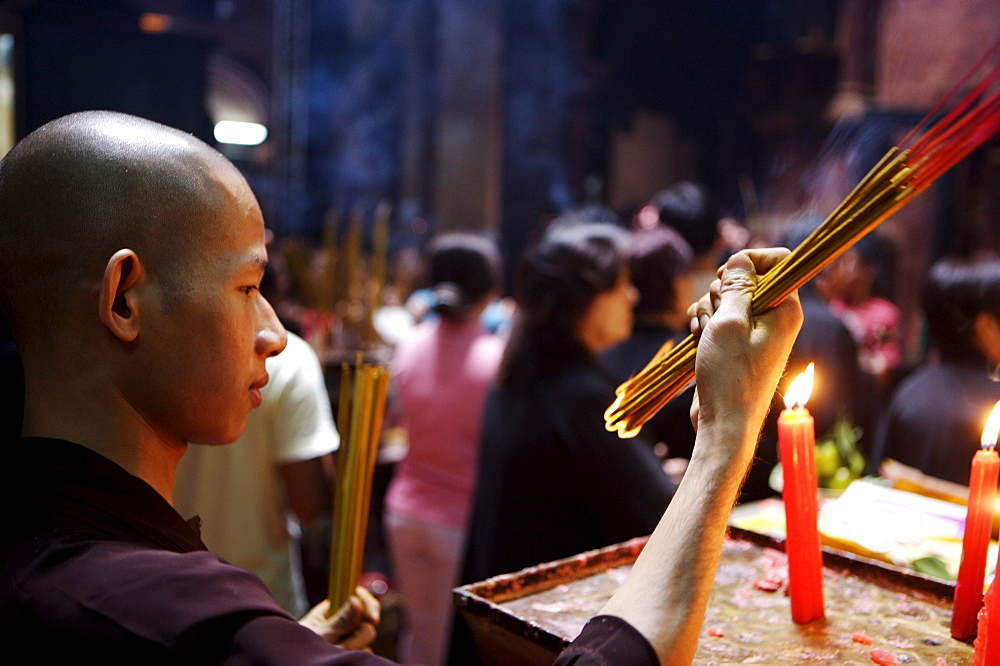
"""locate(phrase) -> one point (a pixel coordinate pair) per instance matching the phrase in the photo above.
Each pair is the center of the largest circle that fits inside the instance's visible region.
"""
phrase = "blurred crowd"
(494, 454)
(494, 421)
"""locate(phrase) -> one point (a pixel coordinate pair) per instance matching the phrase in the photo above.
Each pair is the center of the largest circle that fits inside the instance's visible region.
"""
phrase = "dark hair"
(463, 268)
(590, 213)
(956, 291)
(689, 208)
(657, 257)
(878, 252)
(556, 282)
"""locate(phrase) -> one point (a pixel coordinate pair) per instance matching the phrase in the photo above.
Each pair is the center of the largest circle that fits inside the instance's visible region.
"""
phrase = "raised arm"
(740, 359)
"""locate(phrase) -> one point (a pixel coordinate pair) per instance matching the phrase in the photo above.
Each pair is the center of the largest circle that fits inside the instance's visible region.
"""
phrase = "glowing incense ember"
(906, 170)
(359, 420)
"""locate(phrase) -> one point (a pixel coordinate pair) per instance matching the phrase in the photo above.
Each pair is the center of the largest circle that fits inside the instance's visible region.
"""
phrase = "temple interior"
(373, 133)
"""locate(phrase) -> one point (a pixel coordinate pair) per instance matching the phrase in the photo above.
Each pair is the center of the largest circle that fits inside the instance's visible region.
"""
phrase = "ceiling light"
(240, 133)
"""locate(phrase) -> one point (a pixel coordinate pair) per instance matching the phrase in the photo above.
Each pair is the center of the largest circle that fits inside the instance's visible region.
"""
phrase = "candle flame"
(992, 429)
(800, 389)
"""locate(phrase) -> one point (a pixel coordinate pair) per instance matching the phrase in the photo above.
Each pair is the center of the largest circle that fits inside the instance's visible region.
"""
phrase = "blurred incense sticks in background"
(359, 420)
(343, 283)
(936, 144)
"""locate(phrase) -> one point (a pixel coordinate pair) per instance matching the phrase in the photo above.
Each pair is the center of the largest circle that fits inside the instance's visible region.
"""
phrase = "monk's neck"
(119, 436)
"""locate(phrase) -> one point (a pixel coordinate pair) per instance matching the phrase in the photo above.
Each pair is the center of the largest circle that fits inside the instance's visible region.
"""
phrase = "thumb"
(738, 284)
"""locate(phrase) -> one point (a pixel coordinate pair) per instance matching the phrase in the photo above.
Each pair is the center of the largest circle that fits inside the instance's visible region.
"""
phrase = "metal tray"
(529, 616)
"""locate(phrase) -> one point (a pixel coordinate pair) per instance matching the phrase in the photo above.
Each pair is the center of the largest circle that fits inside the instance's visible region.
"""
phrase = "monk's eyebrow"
(253, 264)
(259, 261)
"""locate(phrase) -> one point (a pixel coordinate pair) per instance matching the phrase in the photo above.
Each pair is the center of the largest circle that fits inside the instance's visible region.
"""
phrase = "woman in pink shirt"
(441, 373)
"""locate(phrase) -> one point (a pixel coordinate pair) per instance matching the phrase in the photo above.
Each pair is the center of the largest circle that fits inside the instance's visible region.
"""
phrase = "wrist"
(725, 445)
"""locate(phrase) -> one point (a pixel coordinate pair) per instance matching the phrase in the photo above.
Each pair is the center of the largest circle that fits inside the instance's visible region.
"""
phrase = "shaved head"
(84, 186)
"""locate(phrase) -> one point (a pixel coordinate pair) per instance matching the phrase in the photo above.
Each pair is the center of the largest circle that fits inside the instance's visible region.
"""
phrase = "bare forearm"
(307, 488)
(740, 358)
(666, 595)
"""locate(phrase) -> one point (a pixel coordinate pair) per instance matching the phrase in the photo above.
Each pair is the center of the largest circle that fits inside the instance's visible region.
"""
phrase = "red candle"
(987, 645)
(797, 450)
(978, 521)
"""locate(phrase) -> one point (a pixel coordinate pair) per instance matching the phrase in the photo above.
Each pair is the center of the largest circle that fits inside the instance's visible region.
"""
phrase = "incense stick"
(359, 421)
(900, 175)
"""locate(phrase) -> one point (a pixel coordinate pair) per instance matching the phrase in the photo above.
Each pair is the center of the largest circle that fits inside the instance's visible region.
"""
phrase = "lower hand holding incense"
(352, 626)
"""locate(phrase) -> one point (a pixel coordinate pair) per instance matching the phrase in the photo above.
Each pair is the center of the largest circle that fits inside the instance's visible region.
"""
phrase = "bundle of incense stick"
(359, 420)
(930, 149)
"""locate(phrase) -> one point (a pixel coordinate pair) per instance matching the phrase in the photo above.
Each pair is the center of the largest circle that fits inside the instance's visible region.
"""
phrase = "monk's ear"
(118, 302)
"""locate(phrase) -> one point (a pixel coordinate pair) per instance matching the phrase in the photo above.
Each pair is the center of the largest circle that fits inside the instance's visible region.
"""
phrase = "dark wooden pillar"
(467, 130)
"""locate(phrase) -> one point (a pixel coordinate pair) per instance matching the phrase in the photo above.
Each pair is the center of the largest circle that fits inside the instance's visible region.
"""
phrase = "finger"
(701, 310)
(738, 283)
(316, 618)
(714, 294)
(696, 311)
(692, 313)
(761, 260)
(692, 310)
(786, 315)
(372, 607)
(360, 638)
(348, 617)
(766, 258)
(322, 609)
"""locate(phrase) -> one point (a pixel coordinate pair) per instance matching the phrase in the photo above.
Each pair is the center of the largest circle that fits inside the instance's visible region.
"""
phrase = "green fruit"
(856, 463)
(841, 479)
(827, 459)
